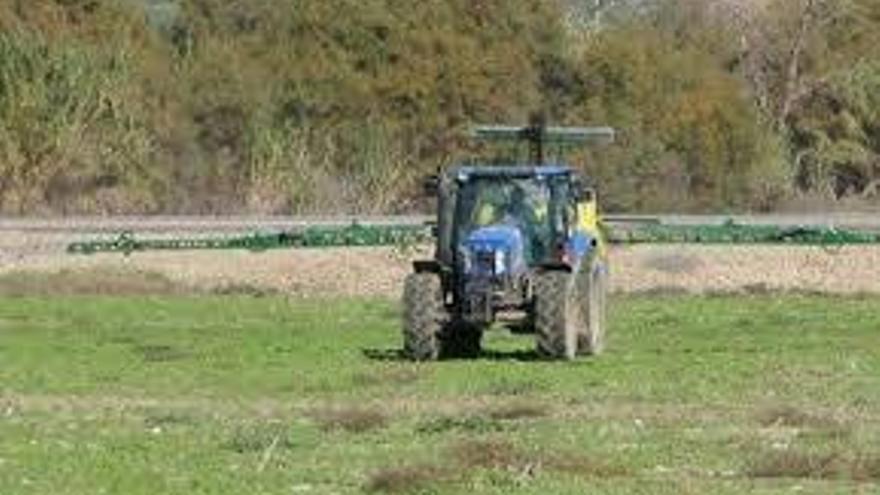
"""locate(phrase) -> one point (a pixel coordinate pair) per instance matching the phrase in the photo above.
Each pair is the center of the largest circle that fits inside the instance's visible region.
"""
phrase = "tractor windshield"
(533, 205)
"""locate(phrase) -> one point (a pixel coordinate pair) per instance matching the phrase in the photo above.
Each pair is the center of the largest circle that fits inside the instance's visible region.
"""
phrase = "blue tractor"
(515, 243)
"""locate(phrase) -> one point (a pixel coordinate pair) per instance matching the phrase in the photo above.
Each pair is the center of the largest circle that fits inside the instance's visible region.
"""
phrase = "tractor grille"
(485, 263)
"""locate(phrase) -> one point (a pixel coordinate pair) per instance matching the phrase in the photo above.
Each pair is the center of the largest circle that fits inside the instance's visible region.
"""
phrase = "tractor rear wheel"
(570, 309)
(423, 316)
(593, 293)
(558, 316)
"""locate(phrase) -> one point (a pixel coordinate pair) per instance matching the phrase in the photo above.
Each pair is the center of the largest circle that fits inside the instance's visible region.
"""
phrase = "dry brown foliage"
(814, 465)
(350, 419)
(406, 479)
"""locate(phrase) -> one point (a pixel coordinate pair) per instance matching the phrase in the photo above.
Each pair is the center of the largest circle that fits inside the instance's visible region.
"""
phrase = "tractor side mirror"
(431, 185)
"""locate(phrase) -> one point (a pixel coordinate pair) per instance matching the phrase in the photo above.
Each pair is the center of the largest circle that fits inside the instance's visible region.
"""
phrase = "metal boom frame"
(365, 235)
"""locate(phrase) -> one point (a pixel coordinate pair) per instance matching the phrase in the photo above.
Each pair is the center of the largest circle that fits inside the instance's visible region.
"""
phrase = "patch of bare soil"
(406, 479)
(814, 465)
(380, 271)
(350, 419)
(793, 417)
(465, 457)
(97, 281)
(518, 411)
(305, 273)
(499, 455)
(702, 269)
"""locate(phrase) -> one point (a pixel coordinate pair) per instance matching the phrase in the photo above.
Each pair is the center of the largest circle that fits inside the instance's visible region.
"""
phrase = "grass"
(233, 394)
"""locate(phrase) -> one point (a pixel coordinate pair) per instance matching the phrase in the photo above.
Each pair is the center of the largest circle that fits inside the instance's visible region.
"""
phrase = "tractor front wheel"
(423, 316)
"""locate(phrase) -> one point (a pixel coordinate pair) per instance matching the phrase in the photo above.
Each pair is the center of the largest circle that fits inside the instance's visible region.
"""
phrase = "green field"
(763, 394)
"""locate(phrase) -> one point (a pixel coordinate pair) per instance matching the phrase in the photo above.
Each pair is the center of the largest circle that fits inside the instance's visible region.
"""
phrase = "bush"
(70, 138)
(691, 136)
(232, 106)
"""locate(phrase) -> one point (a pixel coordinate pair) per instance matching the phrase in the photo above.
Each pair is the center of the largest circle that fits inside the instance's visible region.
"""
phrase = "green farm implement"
(324, 236)
(617, 232)
(730, 232)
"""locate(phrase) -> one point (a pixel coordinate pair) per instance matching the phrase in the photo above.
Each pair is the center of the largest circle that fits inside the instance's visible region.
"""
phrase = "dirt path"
(380, 271)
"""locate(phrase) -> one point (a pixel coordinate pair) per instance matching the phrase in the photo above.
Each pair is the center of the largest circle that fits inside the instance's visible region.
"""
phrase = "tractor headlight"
(500, 262)
(467, 261)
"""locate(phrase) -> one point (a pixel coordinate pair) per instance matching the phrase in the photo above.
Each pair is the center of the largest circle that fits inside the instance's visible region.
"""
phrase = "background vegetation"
(283, 106)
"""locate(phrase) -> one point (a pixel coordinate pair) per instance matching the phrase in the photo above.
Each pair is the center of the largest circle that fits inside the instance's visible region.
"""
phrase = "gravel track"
(37, 246)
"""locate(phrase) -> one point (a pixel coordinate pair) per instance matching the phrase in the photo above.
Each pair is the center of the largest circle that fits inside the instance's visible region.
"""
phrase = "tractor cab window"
(527, 204)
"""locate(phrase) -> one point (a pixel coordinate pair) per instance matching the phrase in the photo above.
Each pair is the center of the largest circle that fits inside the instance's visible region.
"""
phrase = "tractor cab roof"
(467, 172)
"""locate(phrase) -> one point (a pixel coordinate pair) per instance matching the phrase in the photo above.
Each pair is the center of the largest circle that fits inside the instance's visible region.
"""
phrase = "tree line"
(298, 106)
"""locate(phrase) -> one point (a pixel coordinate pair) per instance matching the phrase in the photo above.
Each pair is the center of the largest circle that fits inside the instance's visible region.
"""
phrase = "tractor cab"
(529, 206)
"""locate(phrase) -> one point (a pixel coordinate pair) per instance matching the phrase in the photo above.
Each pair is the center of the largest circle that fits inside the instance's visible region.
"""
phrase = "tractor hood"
(493, 251)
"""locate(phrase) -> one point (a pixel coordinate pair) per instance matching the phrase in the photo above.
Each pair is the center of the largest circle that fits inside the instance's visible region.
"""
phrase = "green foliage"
(837, 134)
(68, 125)
(829, 86)
(213, 106)
(692, 138)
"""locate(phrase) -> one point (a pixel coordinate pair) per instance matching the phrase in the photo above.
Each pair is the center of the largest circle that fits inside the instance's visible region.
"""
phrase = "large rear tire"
(570, 309)
(593, 290)
(423, 316)
(558, 316)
